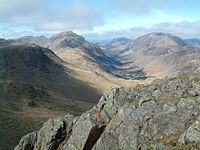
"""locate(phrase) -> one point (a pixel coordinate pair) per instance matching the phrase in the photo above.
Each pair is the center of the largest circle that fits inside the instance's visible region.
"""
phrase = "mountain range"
(44, 77)
(85, 59)
(159, 54)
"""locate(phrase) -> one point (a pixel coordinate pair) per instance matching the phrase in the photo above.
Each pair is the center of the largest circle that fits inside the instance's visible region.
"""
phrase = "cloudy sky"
(98, 19)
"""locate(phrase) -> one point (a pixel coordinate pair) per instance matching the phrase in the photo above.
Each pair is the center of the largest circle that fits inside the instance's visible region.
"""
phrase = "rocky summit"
(162, 115)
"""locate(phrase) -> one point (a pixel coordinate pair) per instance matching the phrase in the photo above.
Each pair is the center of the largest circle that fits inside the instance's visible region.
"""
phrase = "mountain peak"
(68, 34)
(165, 38)
(157, 44)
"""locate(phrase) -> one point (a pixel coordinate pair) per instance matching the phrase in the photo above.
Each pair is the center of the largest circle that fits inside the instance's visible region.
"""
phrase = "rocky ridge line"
(162, 115)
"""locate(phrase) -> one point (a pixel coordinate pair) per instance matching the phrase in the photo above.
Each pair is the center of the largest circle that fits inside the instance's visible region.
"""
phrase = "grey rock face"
(53, 132)
(27, 142)
(141, 117)
(120, 134)
(192, 134)
(84, 133)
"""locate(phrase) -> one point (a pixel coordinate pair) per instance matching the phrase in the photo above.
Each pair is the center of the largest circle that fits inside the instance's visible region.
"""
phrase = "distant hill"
(116, 46)
(193, 42)
(39, 40)
(2, 40)
(155, 44)
(160, 54)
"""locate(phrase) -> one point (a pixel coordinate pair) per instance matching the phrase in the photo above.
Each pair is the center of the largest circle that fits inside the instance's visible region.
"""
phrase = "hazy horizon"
(99, 20)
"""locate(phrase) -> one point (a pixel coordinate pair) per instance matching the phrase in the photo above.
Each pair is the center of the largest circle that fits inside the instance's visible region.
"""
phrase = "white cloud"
(183, 29)
(15, 8)
(37, 14)
(77, 15)
(11, 34)
(179, 28)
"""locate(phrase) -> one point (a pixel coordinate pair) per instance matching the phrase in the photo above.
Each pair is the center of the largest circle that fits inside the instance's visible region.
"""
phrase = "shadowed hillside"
(34, 86)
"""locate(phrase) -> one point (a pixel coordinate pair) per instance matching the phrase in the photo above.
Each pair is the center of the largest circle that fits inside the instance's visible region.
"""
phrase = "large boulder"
(84, 133)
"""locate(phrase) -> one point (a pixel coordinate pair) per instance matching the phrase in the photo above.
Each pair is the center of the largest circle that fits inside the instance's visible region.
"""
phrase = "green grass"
(16, 97)
(13, 127)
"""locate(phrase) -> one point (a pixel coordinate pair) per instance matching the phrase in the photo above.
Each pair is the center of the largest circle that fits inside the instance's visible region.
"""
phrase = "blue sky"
(98, 19)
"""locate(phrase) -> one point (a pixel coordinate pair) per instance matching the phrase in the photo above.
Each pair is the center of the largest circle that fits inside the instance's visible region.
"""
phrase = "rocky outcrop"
(53, 132)
(162, 115)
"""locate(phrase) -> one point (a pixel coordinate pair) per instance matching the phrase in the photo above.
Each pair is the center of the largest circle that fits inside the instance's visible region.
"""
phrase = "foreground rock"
(163, 115)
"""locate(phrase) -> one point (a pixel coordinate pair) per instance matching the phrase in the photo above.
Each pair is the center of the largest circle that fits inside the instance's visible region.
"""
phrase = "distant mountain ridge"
(2, 40)
(115, 46)
(39, 40)
(156, 44)
(153, 51)
(193, 42)
(85, 59)
(159, 54)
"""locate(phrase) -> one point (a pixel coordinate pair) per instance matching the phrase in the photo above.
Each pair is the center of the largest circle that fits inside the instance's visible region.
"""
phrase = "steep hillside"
(39, 67)
(34, 86)
(66, 44)
(162, 115)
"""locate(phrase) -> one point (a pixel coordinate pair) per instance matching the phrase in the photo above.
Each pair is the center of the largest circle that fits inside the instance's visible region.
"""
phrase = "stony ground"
(162, 115)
